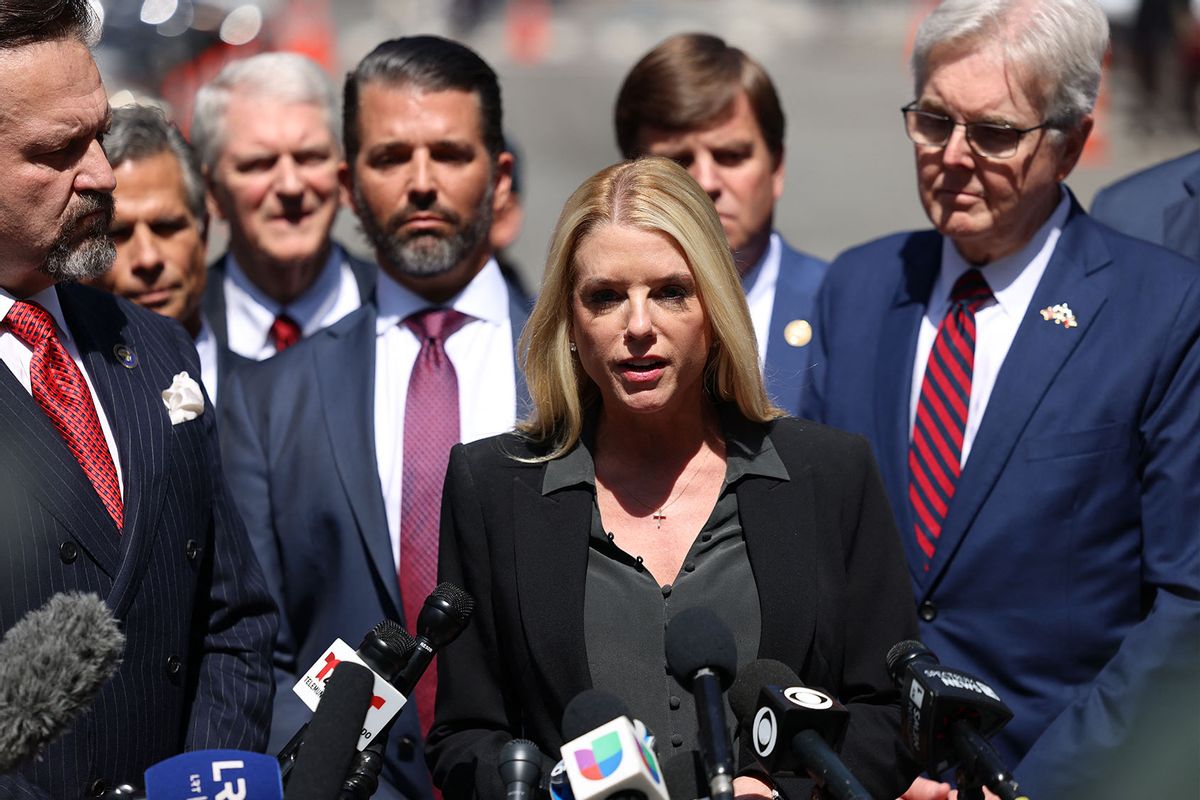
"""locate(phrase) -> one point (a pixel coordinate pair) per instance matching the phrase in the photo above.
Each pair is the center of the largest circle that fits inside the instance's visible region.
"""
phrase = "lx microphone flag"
(215, 774)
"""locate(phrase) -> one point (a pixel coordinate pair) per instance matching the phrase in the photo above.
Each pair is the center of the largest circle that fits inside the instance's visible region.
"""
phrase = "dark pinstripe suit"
(181, 577)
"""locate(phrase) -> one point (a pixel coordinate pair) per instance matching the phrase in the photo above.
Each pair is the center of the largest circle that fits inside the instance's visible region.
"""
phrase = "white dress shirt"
(481, 352)
(17, 356)
(206, 348)
(1013, 280)
(249, 312)
(759, 285)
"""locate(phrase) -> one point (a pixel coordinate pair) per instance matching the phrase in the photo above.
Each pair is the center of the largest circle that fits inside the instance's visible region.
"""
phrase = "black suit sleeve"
(475, 717)
(879, 614)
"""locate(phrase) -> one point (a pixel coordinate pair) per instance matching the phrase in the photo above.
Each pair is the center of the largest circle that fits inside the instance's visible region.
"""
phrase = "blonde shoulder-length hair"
(650, 194)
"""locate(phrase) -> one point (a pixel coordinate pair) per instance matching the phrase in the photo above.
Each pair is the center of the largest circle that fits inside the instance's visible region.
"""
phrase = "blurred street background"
(839, 65)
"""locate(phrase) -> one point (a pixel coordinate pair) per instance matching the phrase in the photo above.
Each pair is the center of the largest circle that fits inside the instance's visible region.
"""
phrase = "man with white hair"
(266, 129)
(1028, 378)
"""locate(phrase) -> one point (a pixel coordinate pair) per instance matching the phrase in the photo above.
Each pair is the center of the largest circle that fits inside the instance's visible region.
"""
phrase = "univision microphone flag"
(613, 758)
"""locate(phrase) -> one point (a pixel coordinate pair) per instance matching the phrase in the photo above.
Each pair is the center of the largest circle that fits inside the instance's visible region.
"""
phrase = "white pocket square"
(183, 399)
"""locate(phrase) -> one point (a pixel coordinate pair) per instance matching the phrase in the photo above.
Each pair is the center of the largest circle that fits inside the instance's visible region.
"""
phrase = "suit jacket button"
(96, 788)
(191, 549)
(927, 611)
(68, 552)
(406, 747)
(173, 665)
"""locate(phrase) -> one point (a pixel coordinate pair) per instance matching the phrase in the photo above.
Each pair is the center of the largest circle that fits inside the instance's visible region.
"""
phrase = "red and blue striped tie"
(935, 455)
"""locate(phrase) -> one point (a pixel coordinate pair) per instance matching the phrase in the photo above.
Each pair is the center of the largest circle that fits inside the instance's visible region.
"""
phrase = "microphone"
(794, 729)
(53, 662)
(606, 755)
(520, 768)
(702, 654)
(384, 650)
(332, 736)
(444, 615)
(946, 717)
(213, 773)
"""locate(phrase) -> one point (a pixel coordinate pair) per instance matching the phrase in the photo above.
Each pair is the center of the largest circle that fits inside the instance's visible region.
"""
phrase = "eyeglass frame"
(967, 126)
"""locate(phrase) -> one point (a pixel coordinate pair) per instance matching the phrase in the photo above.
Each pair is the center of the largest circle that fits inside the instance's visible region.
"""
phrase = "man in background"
(266, 129)
(159, 226)
(338, 449)
(713, 109)
(1028, 379)
(1160, 204)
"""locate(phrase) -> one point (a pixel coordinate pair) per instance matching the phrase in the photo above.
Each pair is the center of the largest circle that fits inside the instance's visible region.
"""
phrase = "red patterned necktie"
(61, 391)
(284, 332)
(430, 429)
(936, 451)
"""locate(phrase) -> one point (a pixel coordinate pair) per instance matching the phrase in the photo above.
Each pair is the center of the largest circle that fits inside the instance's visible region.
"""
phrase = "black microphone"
(332, 737)
(520, 768)
(946, 717)
(792, 728)
(443, 616)
(385, 650)
(702, 654)
(53, 662)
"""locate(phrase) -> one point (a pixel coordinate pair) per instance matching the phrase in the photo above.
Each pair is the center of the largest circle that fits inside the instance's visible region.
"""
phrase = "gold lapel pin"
(798, 333)
(126, 356)
(1060, 314)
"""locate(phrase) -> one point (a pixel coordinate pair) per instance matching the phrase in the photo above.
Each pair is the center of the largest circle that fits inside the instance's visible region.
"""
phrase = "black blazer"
(827, 564)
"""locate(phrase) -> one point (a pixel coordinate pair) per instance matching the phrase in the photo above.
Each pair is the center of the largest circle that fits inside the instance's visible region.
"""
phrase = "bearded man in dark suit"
(110, 481)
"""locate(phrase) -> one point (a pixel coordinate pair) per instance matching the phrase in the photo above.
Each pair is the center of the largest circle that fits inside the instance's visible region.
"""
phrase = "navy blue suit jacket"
(213, 304)
(1160, 204)
(1068, 569)
(298, 435)
(787, 368)
(180, 577)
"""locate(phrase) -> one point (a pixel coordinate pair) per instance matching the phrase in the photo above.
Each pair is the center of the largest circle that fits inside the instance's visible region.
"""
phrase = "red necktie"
(284, 332)
(936, 451)
(430, 429)
(61, 391)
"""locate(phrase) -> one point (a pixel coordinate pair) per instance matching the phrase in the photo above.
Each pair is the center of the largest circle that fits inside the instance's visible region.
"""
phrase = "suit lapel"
(551, 542)
(214, 302)
(140, 425)
(1038, 352)
(783, 571)
(518, 315)
(342, 358)
(1181, 220)
(34, 454)
(922, 258)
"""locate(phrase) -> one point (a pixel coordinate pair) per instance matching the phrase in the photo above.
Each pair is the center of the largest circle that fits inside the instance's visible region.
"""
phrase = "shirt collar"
(770, 256)
(1010, 278)
(484, 298)
(748, 451)
(48, 299)
(303, 307)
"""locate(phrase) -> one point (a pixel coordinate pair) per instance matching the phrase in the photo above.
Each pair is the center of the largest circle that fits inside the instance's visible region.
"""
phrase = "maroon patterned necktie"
(61, 391)
(284, 332)
(936, 451)
(430, 429)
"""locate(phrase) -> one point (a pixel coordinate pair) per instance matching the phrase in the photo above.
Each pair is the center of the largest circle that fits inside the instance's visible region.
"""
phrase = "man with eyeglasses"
(1030, 381)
